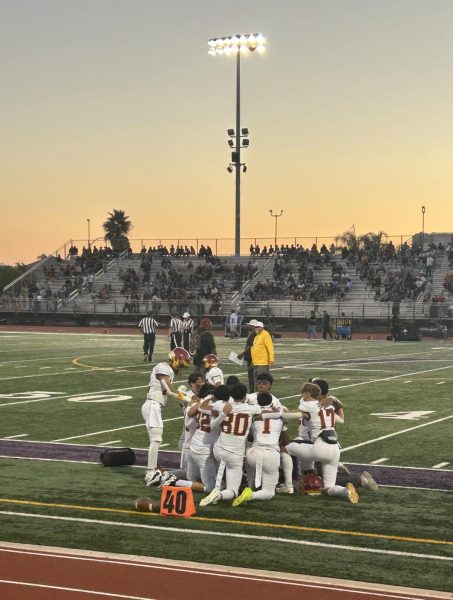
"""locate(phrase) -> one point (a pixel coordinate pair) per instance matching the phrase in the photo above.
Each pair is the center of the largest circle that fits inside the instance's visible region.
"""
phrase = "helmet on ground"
(312, 484)
(210, 360)
(179, 357)
(205, 323)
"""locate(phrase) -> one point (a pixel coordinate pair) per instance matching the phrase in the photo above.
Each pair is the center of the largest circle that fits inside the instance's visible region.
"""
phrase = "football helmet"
(205, 323)
(312, 484)
(179, 357)
(210, 360)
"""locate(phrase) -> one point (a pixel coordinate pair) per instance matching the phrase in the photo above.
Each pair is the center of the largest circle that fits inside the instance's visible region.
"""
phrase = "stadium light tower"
(276, 217)
(236, 45)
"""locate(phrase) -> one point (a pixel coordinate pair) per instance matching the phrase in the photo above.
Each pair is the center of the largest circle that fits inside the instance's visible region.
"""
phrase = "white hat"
(258, 324)
(252, 322)
(186, 315)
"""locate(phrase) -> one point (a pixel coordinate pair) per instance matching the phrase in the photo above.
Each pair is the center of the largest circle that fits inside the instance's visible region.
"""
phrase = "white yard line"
(385, 437)
(110, 443)
(378, 461)
(76, 437)
(440, 465)
(240, 536)
(64, 396)
(12, 437)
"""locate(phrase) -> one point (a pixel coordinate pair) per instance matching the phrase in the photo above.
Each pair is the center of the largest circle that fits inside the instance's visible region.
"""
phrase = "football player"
(160, 387)
(214, 375)
(263, 458)
(325, 448)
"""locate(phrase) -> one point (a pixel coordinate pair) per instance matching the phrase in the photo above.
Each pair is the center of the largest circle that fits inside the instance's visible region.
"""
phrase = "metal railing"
(280, 309)
(225, 246)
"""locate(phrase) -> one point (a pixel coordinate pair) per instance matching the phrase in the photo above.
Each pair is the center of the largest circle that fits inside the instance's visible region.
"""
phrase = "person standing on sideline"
(187, 330)
(206, 344)
(247, 354)
(311, 329)
(160, 387)
(234, 324)
(148, 326)
(326, 328)
(175, 332)
(262, 350)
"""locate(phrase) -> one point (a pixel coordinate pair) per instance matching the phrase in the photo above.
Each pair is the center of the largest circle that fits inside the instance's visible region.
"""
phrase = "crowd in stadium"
(390, 274)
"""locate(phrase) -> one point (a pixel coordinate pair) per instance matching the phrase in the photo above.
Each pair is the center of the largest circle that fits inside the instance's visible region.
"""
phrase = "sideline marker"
(177, 502)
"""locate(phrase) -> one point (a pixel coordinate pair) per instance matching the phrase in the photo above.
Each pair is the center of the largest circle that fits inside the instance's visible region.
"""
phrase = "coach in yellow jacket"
(262, 350)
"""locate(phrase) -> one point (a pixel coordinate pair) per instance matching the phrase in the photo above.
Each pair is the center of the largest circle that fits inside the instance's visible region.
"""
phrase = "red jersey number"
(204, 422)
(237, 424)
(327, 417)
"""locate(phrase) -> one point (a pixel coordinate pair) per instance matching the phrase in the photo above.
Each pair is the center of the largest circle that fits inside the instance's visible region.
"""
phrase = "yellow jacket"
(262, 349)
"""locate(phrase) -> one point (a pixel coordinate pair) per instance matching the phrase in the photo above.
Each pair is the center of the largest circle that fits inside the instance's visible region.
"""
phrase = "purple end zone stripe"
(440, 480)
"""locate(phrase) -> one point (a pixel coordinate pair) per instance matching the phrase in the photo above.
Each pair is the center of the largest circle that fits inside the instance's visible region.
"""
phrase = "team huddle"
(231, 436)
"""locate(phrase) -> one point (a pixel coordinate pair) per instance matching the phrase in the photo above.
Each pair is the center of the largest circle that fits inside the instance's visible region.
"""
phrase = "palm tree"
(116, 228)
(348, 239)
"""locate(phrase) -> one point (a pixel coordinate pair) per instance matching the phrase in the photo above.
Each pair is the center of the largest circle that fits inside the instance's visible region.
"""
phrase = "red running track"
(38, 573)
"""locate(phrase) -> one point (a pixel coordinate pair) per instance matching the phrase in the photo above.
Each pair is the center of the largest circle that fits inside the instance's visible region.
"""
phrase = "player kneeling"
(263, 458)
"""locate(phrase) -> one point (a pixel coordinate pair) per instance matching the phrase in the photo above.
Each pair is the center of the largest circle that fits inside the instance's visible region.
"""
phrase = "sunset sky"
(116, 104)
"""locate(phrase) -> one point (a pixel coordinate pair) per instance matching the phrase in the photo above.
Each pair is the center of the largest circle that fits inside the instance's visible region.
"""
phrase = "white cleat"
(168, 478)
(153, 477)
(368, 481)
(211, 498)
(282, 488)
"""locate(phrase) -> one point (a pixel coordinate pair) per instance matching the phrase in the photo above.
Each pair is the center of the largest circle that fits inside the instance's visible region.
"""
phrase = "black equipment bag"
(116, 457)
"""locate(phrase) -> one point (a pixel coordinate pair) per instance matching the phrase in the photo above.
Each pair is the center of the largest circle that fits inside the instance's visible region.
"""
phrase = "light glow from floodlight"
(237, 43)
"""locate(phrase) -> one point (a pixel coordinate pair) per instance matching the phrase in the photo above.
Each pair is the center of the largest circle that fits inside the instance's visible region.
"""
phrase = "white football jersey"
(214, 376)
(320, 418)
(190, 426)
(206, 432)
(236, 426)
(267, 433)
(156, 390)
(253, 399)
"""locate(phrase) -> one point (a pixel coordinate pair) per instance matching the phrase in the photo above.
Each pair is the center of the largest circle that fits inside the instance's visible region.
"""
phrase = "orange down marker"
(177, 502)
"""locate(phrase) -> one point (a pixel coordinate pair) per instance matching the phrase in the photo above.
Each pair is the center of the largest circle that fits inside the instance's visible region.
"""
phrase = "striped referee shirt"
(148, 325)
(187, 325)
(176, 325)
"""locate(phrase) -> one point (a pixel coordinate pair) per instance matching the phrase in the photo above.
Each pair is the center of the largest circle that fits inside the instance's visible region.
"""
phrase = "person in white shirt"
(263, 458)
(229, 449)
(160, 387)
(214, 375)
(234, 324)
(264, 383)
(324, 449)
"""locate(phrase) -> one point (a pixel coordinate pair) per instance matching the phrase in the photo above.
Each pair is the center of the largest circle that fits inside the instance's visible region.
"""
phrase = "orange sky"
(114, 104)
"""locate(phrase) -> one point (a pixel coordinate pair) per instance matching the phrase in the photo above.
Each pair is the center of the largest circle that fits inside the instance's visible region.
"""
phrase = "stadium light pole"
(88, 221)
(423, 224)
(237, 45)
(276, 217)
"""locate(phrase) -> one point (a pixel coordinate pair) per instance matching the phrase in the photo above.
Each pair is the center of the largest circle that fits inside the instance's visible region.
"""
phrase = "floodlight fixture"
(231, 143)
(231, 132)
(237, 43)
(245, 143)
(230, 168)
(244, 168)
(245, 131)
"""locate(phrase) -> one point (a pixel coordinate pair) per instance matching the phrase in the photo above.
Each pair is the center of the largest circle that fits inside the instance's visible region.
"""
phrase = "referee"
(175, 332)
(187, 330)
(148, 326)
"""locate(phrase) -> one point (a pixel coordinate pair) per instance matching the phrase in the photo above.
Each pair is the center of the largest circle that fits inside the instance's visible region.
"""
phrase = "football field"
(65, 396)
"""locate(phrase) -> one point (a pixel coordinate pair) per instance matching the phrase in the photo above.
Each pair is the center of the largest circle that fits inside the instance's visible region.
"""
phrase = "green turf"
(369, 377)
